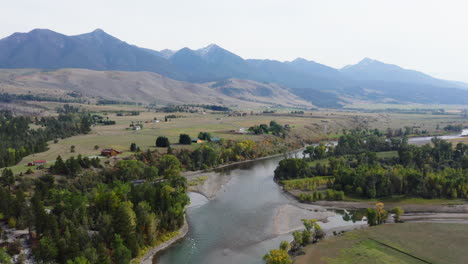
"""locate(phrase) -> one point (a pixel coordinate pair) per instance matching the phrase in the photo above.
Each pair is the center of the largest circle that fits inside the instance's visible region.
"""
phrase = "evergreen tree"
(133, 147)
(8, 178)
(162, 142)
(121, 254)
(185, 139)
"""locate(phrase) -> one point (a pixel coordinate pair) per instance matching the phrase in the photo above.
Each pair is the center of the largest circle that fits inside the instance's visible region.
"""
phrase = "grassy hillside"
(393, 243)
(145, 87)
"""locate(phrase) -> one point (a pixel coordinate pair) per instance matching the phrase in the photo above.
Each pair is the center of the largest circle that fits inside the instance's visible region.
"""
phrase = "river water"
(236, 226)
(424, 140)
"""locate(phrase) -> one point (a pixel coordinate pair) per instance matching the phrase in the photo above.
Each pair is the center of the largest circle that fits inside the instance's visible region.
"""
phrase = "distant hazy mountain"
(374, 70)
(46, 49)
(369, 80)
(211, 63)
(166, 53)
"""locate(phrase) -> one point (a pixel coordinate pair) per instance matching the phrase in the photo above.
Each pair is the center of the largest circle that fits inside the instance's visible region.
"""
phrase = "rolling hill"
(146, 87)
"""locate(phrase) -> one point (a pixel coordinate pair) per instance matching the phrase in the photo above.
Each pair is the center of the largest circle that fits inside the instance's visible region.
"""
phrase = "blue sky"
(425, 35)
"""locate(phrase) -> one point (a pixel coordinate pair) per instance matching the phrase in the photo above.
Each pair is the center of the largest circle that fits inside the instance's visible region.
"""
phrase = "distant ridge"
(369, 80)
(374, 70)
(97, 50)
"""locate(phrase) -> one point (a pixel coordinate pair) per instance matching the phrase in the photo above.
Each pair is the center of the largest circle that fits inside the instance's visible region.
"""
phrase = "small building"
(136, 127)
(197, 140)
(110, 152)
(215, 139)
(38, 163)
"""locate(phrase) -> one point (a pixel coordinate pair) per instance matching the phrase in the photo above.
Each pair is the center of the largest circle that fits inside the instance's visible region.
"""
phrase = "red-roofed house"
(110, 152)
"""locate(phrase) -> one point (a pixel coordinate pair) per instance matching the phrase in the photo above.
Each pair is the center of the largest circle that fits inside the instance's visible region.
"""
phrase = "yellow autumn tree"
(277, 256)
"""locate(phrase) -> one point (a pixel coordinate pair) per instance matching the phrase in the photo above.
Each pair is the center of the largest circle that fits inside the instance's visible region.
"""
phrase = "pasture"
(393, 243)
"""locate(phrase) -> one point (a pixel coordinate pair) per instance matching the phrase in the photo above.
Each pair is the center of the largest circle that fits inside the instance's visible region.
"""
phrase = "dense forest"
(18, 139)
(436, 170)
(95, 214)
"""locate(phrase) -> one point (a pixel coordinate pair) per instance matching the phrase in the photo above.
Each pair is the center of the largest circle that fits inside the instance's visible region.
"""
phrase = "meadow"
(312, 126)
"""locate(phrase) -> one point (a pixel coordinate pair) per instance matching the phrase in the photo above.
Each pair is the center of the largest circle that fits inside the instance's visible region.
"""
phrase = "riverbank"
(410, 205)
(214, 181)
(148, 256)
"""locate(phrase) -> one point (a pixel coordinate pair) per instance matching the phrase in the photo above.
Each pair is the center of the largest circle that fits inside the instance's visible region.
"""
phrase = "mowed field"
(412, 243)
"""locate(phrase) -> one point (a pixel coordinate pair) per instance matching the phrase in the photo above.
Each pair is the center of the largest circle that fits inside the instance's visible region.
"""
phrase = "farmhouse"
(110, 152)
(197, 140)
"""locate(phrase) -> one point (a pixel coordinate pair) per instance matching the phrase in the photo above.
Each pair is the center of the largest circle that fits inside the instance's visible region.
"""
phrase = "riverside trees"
(311, 234)
(430, 171)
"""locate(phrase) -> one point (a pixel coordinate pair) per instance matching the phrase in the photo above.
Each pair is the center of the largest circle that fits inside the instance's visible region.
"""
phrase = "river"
(238, 225)
(424, 140)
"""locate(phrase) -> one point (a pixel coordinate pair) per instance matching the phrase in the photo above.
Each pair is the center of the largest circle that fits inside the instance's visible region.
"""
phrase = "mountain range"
(324, 86)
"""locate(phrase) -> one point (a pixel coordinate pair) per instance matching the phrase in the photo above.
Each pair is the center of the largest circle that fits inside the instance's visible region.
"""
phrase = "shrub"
(397, 211)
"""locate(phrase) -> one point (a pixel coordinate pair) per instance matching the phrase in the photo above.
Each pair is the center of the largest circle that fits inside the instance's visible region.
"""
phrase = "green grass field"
(393, 243)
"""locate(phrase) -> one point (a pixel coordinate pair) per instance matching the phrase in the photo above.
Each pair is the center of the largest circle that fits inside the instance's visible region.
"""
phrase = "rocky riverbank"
(148, 257)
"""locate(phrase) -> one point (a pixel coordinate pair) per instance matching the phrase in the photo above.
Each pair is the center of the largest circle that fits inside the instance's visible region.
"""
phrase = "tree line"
(9, 98)
(212, 154)
(436, 170)
(18, 140)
